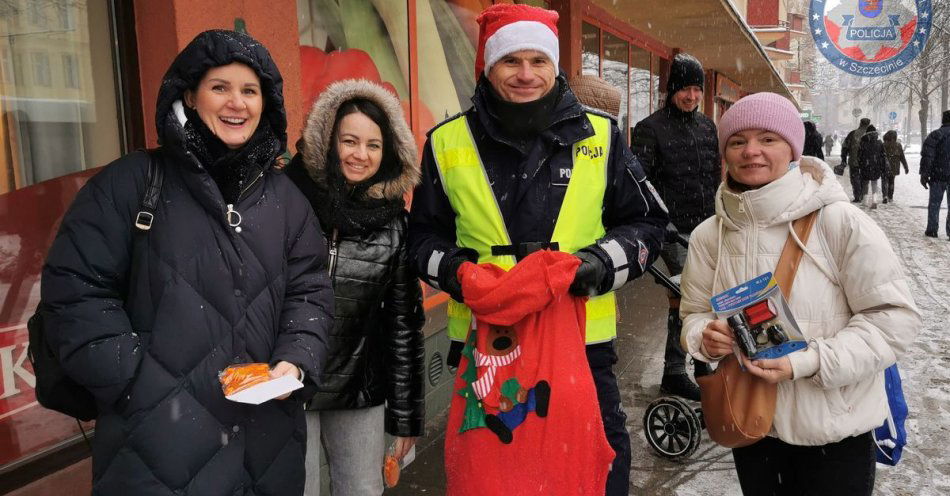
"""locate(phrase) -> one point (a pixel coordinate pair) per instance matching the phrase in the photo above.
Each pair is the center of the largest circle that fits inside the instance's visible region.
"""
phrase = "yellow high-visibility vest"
(479, 224)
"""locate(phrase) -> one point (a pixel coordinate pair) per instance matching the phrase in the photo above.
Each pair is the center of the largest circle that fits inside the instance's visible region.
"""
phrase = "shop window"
(70, 71)
(641, 79)
(615, 72)
(447, 35)
(6, 66)
(67, 17)
(590, 49)
(544, 4)
(655, 78)
(355, 39)
(58, 135)
(38, 14)
(41, 76)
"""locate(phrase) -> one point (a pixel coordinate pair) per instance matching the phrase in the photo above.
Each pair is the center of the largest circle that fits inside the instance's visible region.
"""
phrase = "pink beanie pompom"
(768, 111)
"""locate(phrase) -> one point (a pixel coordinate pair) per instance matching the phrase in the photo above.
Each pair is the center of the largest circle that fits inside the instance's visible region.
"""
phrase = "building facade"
(79, 81)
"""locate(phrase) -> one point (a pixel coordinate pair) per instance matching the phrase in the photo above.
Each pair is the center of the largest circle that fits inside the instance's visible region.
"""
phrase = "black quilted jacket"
(147, 320)
(871, 157)
(680, 154)
(376, 350)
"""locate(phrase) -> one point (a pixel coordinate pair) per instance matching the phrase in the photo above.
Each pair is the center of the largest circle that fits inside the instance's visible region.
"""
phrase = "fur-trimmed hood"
(318, 134)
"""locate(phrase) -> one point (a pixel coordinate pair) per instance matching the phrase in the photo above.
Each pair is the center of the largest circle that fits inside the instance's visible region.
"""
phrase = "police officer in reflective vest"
(528, 168)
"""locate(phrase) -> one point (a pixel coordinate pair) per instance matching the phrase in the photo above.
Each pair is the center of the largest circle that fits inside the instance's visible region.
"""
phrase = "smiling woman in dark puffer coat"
(357, 164)
(233, 270)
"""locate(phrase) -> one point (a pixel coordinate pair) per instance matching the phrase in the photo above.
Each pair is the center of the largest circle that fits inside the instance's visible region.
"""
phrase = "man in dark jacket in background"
(498, 179)
(935, 173)
(849, 157)
(813, 141)
(678, 147)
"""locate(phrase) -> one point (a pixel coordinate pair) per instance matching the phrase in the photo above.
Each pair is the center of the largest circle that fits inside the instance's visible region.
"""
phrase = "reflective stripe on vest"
(479, 224)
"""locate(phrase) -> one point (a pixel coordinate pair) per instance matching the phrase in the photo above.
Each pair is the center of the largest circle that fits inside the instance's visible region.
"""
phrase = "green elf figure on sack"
(494, 398)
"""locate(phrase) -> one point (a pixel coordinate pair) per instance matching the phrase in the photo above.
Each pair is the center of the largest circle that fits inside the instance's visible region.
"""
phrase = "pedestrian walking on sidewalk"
(358, 162)
(935, 173)
(830, 139)
(232, 270)
(678, 148)
(527, 168)
(849, 157)
(830, 395)
(894, 150)
(873, 165)
(813, 141)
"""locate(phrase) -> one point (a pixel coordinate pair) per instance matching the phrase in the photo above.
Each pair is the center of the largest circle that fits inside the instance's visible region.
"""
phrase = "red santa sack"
(524, 417)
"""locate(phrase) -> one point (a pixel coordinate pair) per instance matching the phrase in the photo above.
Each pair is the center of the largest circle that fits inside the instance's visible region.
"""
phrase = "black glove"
(924, 181)
(672, 234)
(450, 280)
(589, 276)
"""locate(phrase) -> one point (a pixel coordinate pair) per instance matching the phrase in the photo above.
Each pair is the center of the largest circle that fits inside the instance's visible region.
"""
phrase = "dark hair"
(389, 165)
(865, 121)
(871, 129)
(810, 127)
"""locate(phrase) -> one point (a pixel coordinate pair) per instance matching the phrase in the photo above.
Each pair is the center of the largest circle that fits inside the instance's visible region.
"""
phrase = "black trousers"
(601, 358)
(887, 186)
(774, 467)
(857, 185)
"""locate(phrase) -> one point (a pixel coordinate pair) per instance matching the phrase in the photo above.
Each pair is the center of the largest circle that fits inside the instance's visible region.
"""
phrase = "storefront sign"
(870, 37)
(727, 89)
(26, 428)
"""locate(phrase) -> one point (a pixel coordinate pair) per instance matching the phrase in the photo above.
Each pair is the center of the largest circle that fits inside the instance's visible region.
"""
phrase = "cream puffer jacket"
(850, 297)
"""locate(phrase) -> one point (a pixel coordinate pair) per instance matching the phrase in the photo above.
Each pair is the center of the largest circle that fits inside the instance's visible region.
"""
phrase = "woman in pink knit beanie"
(850, 299)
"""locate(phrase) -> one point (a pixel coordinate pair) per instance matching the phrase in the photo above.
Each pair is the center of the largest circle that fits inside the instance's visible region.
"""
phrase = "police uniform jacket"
(529, 178)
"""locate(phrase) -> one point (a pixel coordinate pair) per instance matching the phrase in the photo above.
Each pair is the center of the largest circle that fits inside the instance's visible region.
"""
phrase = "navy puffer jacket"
(146, 321)
(680, 154)
(935, 155)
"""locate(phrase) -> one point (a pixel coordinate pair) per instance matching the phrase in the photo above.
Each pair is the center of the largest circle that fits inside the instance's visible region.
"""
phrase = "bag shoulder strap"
(153, 190)
(791, 256)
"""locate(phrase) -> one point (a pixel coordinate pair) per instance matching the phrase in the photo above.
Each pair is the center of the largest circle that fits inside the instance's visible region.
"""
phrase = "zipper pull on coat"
(234, 218)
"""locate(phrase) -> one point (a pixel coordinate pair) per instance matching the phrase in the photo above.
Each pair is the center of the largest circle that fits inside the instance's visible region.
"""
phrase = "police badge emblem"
(870, 38)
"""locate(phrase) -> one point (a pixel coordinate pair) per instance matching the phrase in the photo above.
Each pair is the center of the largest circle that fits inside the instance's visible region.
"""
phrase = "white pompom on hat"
(507, 28)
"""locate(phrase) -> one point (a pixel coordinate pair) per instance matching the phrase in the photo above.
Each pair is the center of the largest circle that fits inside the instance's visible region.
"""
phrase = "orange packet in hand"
(240, 377)
(391, 470)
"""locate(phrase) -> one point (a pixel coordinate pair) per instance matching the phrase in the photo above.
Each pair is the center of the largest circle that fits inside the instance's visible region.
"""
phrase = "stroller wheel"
(672, 428)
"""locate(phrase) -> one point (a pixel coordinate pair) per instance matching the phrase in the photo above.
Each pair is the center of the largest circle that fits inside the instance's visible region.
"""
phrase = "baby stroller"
(672, 426)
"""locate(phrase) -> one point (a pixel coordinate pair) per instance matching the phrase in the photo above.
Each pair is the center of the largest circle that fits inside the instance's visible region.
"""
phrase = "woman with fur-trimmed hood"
(357, 163)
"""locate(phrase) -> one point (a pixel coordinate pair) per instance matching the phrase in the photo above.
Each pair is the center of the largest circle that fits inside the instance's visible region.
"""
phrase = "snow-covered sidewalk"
(925, 467)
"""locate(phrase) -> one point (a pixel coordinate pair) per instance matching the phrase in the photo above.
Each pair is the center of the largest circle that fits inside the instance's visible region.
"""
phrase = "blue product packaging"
(760, 319)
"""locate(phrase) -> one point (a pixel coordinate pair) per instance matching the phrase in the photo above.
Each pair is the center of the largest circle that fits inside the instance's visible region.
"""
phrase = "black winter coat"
(529, 178)
(146, 321)
(680, 153)
(935, 155)
(376, 349)
(871, 158)
(813, 144)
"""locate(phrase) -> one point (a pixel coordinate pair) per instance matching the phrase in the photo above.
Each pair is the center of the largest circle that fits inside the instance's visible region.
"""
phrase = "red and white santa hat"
(507, 28)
